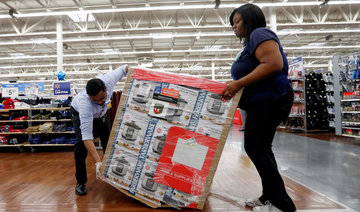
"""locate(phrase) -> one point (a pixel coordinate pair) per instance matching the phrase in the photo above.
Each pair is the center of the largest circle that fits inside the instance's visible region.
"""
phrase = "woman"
(261, 68)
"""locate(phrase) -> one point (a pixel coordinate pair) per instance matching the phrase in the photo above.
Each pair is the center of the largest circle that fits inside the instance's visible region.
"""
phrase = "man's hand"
(98, 173)
(89, 145)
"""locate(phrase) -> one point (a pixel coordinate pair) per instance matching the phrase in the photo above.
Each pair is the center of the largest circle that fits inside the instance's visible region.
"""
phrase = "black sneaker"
(80, 189)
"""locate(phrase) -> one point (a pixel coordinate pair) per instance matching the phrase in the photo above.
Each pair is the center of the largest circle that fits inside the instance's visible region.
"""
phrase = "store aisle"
(330, 168)
(44, 181)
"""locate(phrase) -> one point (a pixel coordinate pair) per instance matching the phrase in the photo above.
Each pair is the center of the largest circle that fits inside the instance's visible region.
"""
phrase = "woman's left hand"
(230, 91)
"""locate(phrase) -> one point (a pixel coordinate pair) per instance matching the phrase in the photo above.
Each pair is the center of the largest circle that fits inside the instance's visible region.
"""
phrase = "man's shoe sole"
(81, 194)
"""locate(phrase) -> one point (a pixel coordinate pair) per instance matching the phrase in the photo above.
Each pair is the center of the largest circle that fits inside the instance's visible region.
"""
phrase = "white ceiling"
(189, 37)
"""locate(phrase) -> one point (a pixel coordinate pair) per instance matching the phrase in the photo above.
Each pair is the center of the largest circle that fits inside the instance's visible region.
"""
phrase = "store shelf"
(10, 145)
(354, 136)
(296, 78)
(66, 132)
(352, 128)
(350, 111)
(47, 109)
(296, 116)
(37, 145)
(9, 121)
(350, 100)
(350, 122)
(298, 90)
(49, 120)
(33, 145)
(13, 133)
(34, 133)
(30, 112)
(299, 101)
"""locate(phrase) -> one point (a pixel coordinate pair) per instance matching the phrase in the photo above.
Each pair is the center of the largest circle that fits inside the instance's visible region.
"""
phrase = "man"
(88, 110)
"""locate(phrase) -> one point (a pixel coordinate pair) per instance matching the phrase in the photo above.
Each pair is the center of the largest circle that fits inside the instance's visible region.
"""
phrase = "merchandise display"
(317, 101)
(297, 117)
(347, 98)
(167, 138)
(329, 79)
(21, 123)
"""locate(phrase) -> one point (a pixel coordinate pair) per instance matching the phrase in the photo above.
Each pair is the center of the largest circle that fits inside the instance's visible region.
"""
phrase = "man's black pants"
(100, 129)
(261, 123)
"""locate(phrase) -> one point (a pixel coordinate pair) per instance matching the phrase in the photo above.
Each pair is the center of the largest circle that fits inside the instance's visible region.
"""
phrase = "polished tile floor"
(320, 175)
(330, 168)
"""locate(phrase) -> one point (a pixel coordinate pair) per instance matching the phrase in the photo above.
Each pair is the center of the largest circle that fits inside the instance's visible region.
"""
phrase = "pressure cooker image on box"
(121, 166)
(148, 182)
(158, 145)
(181, 104)
(130, 131)
(142, 92)
(215, 105)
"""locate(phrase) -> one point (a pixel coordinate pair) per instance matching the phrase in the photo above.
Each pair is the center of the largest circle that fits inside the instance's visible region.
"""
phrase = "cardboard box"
(167, 138)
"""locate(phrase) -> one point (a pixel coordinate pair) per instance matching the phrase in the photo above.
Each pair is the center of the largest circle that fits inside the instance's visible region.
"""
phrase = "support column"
(59, 47)
(273, 25)
(330, 67)
(213, 70)
(337, 97)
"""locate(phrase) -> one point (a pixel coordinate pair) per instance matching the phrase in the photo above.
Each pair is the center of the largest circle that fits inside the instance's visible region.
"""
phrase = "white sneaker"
(253, 202)
(268, 207)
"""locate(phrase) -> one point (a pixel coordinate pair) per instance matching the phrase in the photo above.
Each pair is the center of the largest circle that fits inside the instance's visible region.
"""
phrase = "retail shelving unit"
(297, 117)
(346, 72)
(30, 122)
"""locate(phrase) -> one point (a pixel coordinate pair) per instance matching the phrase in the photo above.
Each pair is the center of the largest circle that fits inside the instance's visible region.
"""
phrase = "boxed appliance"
(167, 138)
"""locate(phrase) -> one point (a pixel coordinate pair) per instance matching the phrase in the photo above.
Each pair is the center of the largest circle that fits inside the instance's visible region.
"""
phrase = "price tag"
(11, 92)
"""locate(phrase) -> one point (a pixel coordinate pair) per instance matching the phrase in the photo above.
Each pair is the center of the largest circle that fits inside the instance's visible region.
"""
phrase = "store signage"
(62, 88)
(31, 88)
(10, 90)
(296, 65)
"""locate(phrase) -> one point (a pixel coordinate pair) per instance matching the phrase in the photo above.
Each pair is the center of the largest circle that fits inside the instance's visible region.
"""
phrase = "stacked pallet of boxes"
(167, 138)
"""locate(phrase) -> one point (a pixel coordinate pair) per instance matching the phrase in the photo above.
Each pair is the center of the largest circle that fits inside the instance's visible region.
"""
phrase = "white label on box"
(144, 90)
(190, 153)
(158, 108)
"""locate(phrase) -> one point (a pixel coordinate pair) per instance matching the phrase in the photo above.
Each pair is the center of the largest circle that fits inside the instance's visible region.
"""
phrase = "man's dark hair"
(94, 86)
(252, 17)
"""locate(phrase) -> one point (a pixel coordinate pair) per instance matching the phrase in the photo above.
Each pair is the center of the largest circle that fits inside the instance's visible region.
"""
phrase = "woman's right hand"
(229, 92)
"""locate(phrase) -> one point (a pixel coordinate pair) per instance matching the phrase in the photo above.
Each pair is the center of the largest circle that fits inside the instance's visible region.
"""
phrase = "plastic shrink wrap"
(167, 138)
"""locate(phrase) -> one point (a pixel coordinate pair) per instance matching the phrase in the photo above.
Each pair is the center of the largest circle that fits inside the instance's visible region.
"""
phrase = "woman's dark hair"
(94, 86)
(252, 17)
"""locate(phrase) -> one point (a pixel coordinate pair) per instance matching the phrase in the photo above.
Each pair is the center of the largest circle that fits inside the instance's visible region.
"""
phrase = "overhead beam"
(177, 28)
(8, 5)
(39, 2)
(75, 10)
(178, 35)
